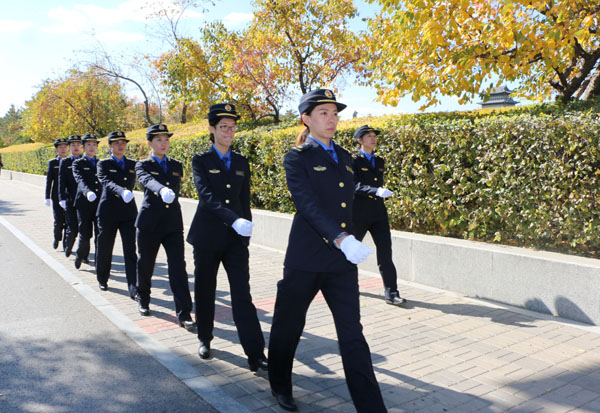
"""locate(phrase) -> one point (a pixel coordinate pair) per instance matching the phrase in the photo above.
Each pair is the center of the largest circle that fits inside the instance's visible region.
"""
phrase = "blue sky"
(42, 39)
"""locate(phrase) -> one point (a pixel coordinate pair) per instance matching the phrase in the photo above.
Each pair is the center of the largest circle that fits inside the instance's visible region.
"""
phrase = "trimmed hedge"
(526, 177)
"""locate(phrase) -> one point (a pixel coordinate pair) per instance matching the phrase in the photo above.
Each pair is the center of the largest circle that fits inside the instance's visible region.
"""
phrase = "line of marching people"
(338, 198)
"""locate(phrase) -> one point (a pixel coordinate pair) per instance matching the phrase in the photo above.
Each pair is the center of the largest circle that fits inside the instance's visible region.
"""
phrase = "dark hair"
(301, 138)
(214, 122)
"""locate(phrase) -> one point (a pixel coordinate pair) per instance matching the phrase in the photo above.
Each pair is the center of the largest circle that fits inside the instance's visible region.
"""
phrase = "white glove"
(354, 250)
(91, 196)
(127, 195)
(63, 204)
(167, 195)
(383, 193)
(243, 227)
(47, 202)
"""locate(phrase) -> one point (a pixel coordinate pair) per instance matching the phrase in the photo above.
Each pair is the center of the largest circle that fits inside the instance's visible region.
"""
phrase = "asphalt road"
(58, 353)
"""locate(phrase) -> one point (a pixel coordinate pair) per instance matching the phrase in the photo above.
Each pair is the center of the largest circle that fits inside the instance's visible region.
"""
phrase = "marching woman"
(67, 189)
(116, 211)
(160, 222)
(220, 233)
(86, 199)
(61, 147)
(369, 212)
(321, 256)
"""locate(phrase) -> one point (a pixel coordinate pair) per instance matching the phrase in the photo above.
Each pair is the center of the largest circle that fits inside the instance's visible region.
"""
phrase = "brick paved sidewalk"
(439, 353)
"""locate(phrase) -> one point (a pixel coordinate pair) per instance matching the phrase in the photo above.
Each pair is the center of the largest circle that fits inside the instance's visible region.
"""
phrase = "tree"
(104, 64)
(428, 48)
(75, 103)
(309, 41)
(11, 126)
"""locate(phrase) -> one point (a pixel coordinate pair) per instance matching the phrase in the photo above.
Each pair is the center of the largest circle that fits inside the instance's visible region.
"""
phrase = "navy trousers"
(295, 292)
(107, 232)
(148, 244)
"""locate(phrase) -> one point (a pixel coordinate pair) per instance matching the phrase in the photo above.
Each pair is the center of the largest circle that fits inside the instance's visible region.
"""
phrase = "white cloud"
(11, 26)
(237, 19)
(119, 36)
(86, 17)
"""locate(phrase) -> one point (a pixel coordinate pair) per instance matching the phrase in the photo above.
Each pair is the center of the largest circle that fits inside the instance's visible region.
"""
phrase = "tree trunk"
(593, 88)
(146, 107)
(184, 112)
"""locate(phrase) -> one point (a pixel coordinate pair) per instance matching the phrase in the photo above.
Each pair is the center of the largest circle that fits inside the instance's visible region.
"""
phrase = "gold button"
(228, 186)
(155, 194)
(341, 184)
(96, 181)
(125, 178)
(326, 240)
(166, 206)
(227, 201)
(343, 205)
(343, 225)
(375, 178)
(168, 183)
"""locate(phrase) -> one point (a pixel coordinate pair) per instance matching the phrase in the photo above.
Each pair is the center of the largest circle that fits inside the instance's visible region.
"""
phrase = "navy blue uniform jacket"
(86, 177)
(323, 192)
(223, 197)
(367, 205)
(154, 212)
(67, 186)
(52, 179)
(114, 180)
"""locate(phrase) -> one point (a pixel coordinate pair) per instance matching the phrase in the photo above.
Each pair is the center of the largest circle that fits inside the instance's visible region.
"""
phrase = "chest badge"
(364, 169)
(349, 169)
(320, 168)
(112, 170)
(239, 173)
(154, 173)
(175, 173)
(214, 171)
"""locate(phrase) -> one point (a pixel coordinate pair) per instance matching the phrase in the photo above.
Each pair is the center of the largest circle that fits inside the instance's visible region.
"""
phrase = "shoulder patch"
(302, 147)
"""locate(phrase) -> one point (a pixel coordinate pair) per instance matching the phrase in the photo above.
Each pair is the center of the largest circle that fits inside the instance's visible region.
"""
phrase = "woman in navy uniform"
(220, 233)
(86, 199)
(61, 147)
(321, 256)
(369, 212)
(116, 211)
(67, 189)
(160, 222)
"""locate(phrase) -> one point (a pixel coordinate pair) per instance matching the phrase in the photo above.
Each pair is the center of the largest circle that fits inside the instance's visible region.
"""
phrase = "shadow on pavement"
(10, 208)
(92, 374)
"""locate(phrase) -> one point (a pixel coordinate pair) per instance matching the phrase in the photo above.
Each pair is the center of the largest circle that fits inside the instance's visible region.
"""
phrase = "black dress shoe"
(189, 325)
(67, 252)
(85, 260)
(77, 262)
(143, 309)
(103, 286)
(55, 244)
(286, 402)
(395, 299)
(258, 363)
(204, 350)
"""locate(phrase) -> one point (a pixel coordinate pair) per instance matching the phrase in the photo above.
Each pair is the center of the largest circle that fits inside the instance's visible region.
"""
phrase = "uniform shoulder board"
(302, 147)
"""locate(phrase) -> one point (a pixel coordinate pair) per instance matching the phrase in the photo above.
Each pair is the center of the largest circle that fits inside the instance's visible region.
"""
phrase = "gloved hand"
(243, 227)
(91, 196)
(127, 195)
(167, 195)
(47, 202)
(354, 250)
(383, 193)
(63, 204)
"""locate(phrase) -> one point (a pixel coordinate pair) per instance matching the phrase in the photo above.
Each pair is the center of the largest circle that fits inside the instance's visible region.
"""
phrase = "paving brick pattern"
(440, 353)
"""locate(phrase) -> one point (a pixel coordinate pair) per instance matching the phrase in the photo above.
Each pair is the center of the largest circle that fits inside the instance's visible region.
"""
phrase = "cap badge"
(329, 94)
(228, 108)
(162, 127)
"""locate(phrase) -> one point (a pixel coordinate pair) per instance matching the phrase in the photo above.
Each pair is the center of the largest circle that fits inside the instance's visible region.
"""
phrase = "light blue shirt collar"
(321, 143)
(367, 155)
(221, 156)
(160, 160)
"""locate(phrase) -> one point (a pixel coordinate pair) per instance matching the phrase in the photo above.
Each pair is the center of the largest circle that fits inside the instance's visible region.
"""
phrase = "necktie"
(122, 164)
(332, 153)
(163, 165)
(226, 162)
(93, 161)
(373, 162)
